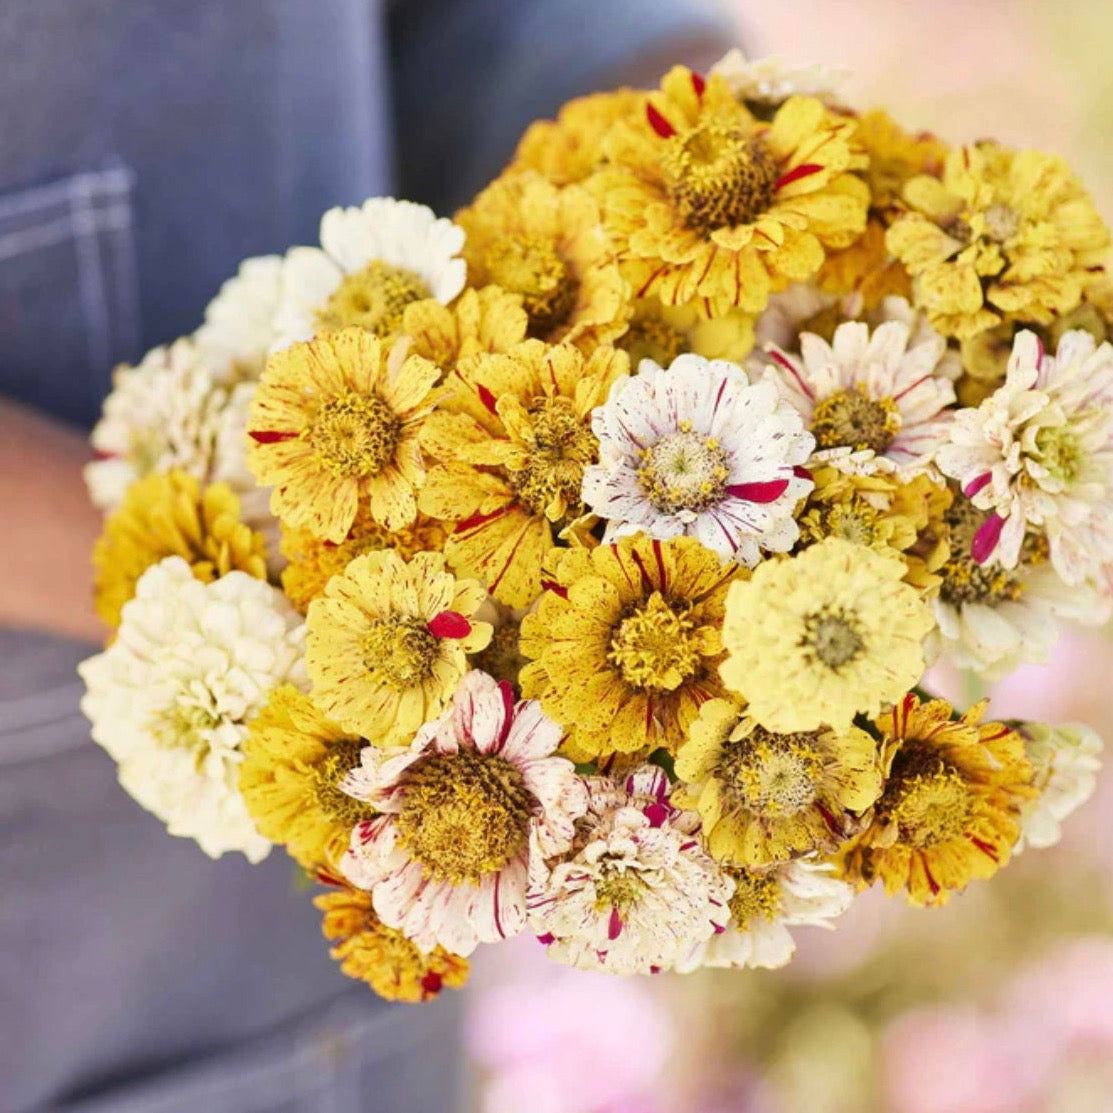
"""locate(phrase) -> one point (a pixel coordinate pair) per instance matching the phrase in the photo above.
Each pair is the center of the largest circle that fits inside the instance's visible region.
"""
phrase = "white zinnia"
(636, 892)
(170, 699)
(382, 230)
(876, 400)
(769, 81)
(239, 322)
(1067, 760)
(794, 894)
(1039, 453)
(698, 450)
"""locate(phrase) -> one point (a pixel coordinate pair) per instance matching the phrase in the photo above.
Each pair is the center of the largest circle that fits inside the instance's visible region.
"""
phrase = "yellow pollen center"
(374, 298)
(400, 652)
(852, 419)
(966, 581)
(929, 802)
(502, 657)
(719, 176)
(833, 637)
(617, 888)
(771, 775)
(531, 266)
(354, 435)
(548, 472)
(757, 896)
(656, 647)
(1060, 451)
(651, 338)
(464, 815)
(683, 471)
(342, 757)
(187, 722)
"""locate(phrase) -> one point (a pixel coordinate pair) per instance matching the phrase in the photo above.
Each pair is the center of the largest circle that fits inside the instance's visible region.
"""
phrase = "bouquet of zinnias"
(573, 566)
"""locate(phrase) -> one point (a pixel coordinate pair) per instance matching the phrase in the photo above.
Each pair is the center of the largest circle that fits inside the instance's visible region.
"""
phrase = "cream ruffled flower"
(446, 860)
(1038, 453)
(239, 322)
(875, 400)
(373, 262)
(697, 450)
(170, 699)
(766, 83)
(765, 904)
(1066, 760)
(635, 893)
(802, 307)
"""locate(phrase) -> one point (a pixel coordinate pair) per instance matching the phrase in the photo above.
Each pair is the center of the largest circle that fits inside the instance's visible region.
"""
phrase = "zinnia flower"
(373, 262)
(334, 427)
(1038, 453)
(293, 762)
(239, 322)
(703, 202)
(951, 807)
(165, 515)
(874, 400)
(446, 861)
(382, 956)
(823, 636)
(763, 906)
(626, 643)
(696, 450)
(1005, 235)
(764, 84)
(171, 698)
(765, 797)
(662, 333)
(388, 642)
(511, 436)
(634, 893)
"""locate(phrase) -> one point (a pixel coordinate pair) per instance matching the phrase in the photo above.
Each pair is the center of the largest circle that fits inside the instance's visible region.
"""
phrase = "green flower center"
(374, 297)
(1060, 451)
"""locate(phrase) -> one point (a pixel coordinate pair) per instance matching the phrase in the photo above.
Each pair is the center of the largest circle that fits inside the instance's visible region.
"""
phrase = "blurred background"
(1003, 1001)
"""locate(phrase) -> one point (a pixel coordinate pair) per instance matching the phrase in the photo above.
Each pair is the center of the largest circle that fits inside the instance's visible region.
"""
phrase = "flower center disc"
(966, 581)
(374, 298)
(773, 775)
(929, 802)
(1060, 451)
(833, 638)
(549, 474)
(400, 650)
(720, 177)
(341, 759)
(756, 897)
(464, 815)
(683, 471)
(651, 338)
(655, 647)
(851, 419)
(531, 267)
(354, 435)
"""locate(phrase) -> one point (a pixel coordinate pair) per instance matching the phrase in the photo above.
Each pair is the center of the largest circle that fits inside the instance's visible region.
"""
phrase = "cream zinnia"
(170, 699)
(446, 858)
(635, 892)
(1038, 453)
(697, 450)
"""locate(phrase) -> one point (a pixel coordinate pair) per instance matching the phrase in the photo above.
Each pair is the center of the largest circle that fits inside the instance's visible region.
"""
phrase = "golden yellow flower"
(626, 643)
(895, 156)
(566, 150)
(663, 332)
(822, 636)
(866, 268)
(388, 640)
(171, 514)
(293, 762)
(766, 797)
(546, 245)
(333, 427)
(477, 322)
(382, 956)
(1006, 235)
(704, 203)
(313, 562)
(879, 511)
(950, 809)
(512, 437)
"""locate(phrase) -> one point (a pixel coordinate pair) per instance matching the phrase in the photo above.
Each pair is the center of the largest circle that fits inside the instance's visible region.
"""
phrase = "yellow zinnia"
(382, 956)
(703, 202)
(545, 244)
(512, 437)
(293, 762)
(333, 427)
(1006, 235)
(663, 332)
(951, 805)
(823, 636)
(626, 643)
(171, 514)
(388, 641)
(766, 797)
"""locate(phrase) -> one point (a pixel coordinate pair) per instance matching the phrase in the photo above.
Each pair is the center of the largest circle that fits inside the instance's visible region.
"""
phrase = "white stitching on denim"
(113, 182)
(90, 269)
(38, 236)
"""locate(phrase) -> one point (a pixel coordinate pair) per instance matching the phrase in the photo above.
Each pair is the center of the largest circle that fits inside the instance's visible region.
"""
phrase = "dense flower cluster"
(574, 566)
